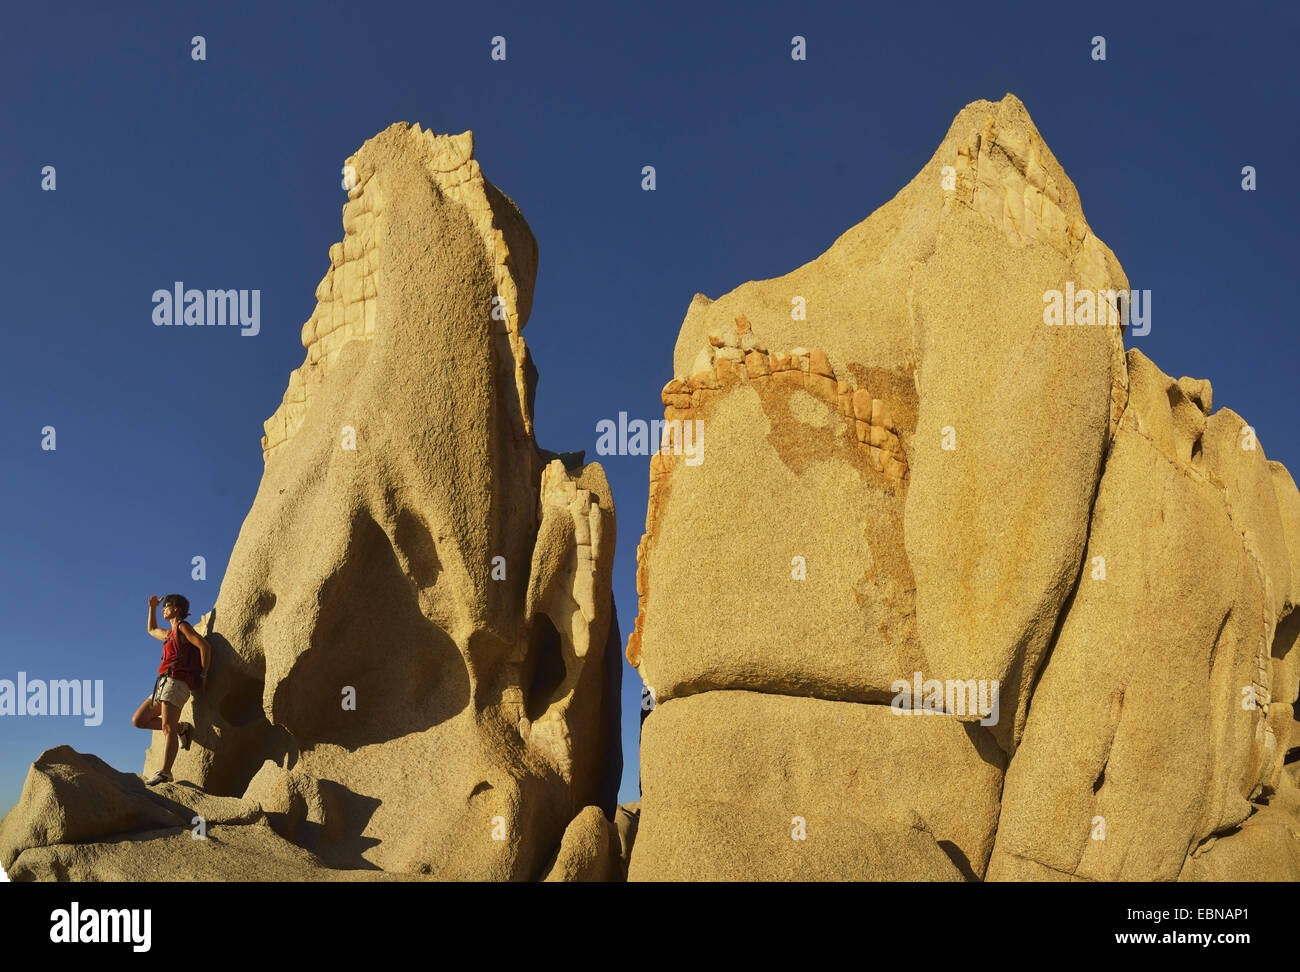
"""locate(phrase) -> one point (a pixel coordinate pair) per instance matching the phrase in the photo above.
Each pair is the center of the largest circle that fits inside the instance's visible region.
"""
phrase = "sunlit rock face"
(417, 663)
(923, 489)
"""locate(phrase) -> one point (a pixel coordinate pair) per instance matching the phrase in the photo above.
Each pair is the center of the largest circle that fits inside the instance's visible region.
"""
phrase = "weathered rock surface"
(72, 798)
(79, 819)
(1137, 730)
(1265, 848)
(966, 568)
(417, 662)
(749, 770)
(889, 483)
(908, 468)
(590, 851)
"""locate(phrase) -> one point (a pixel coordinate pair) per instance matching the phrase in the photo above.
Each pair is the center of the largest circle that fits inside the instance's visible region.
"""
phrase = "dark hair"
(180, 601)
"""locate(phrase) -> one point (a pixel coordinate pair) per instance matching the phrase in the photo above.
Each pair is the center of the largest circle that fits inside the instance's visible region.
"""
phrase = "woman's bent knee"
(144, 715)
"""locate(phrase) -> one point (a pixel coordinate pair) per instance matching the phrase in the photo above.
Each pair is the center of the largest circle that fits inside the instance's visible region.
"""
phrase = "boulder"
(72, 798)
(253, 852)
(897, 414)
(751, 786)
(590, 850)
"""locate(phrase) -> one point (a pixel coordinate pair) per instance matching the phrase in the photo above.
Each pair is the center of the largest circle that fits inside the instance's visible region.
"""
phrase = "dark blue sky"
(225, 173)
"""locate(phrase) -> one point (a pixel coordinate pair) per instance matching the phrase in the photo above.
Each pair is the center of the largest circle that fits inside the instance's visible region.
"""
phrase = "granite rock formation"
(914, 480)
(417, 661)
(953, 593)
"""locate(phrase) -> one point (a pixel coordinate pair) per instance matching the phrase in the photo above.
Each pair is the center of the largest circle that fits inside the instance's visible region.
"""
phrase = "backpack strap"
(189, 663)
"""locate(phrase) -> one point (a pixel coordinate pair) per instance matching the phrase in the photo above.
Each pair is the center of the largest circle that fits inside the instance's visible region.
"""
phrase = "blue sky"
(226, 173)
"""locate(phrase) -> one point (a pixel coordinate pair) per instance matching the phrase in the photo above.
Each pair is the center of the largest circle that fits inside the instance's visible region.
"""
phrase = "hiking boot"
(159, 777)
(184, 732)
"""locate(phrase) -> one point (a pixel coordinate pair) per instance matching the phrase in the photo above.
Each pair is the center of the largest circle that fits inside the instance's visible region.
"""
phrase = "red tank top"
(180, 659)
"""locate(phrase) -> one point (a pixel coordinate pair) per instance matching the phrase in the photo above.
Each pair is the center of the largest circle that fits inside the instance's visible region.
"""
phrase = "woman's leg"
(148, 716)
(171, 716)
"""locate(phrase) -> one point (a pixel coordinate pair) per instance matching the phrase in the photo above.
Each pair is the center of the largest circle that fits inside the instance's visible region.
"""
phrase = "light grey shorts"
(171, 690)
